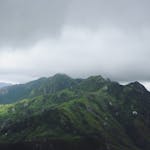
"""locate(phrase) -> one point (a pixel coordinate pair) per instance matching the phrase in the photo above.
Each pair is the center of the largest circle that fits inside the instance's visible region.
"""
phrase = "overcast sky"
(77, 37)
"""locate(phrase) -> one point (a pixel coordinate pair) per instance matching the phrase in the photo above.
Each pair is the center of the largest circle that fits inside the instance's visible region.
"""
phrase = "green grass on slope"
(67, 114)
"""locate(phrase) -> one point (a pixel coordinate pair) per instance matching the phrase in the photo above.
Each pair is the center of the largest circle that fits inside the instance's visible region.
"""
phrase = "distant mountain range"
(61, 113)
(3, 84)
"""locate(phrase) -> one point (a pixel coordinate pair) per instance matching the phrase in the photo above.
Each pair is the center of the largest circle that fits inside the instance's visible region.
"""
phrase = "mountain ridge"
(60, 108)
(45, 81)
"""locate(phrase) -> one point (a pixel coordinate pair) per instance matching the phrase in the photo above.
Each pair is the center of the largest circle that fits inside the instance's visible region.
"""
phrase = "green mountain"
(38, 87)
(61, 113)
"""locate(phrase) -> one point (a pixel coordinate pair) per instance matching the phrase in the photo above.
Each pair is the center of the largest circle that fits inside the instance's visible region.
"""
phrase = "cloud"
(24, 22)
(129, 14)
(80, 53)
(76, 37)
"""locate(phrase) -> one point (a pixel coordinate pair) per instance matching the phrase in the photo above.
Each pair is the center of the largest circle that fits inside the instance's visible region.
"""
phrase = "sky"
(76, 37)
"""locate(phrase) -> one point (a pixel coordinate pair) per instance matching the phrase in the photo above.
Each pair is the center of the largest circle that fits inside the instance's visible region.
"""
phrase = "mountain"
(61, 113)
(38, 87)
(2, 84)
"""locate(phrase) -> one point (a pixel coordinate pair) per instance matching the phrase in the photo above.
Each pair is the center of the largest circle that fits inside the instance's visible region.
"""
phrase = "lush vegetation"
(115, 117)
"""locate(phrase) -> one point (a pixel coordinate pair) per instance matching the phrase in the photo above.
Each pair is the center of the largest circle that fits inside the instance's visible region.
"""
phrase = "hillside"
(93, 113)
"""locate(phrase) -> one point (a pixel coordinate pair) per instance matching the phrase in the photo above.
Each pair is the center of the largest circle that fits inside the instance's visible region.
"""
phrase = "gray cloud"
(23, 22)
(77, 37)
(127, 14)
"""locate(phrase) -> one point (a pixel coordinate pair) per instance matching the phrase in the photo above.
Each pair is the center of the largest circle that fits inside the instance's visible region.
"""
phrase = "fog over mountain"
(2, 84)
(76, 37)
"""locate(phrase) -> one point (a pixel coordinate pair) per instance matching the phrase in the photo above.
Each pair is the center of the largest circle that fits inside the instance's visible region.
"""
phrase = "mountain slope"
(38, 87)
(77, 111)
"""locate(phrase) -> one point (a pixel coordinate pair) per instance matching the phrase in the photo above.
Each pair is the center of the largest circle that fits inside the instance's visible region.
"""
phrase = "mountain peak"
(97, 77)
(137, 86)
(60, 75)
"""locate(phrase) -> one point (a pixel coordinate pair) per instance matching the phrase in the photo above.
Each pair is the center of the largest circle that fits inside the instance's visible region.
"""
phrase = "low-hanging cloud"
(76, 37)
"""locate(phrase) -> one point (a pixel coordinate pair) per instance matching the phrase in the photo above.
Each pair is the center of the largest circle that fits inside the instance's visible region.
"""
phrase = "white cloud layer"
(79, 38)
